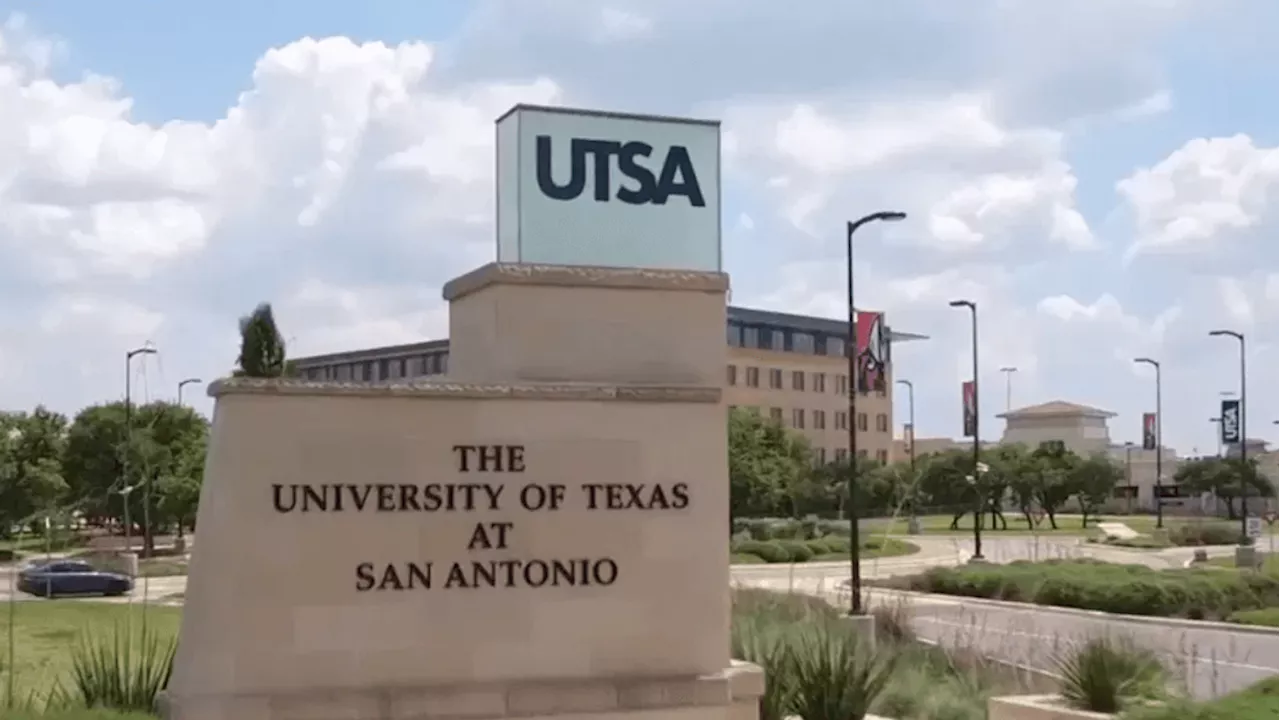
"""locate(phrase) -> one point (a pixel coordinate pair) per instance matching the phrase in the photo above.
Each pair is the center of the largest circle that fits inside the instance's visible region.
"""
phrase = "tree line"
(772, 473)
(102, 465)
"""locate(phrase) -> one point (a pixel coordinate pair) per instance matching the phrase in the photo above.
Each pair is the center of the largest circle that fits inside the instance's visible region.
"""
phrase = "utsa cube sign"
(580, 187)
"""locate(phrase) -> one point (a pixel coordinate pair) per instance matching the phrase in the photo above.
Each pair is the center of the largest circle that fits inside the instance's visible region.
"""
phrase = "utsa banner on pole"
(1148, 431)
(909, 438)
(970, 399)
(1230, 421)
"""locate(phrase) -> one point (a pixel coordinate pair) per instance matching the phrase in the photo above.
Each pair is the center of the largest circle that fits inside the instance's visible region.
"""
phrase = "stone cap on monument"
(511, 322)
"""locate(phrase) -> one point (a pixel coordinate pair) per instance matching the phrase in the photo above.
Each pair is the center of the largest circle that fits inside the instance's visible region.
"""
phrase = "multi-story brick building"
(792, 368)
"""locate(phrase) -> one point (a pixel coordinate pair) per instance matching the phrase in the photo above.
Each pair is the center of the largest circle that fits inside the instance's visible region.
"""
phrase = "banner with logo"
(873, 352)
(1148, 431)
(1230, 421)
(969, 396)
(909, 439)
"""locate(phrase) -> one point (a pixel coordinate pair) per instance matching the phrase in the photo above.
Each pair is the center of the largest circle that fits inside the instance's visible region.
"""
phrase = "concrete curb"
(1093, 614)
(905, 560)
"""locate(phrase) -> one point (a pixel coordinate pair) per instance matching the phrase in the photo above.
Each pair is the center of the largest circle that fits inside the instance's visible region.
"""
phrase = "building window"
(444, 362)
(842, 385)
(819, 420)
(775, 414)
(862, 454)
(842, 420)
(797, 419)
(733, 408)
(841, 454)
(777, 340)
(802, 342)
(731, 375)
(344, 373)
(862, 422)
(882, 422)
(750, 337)
(775, 379)
(835, 346)
(797, 380)
(413, 366)
(819, 382)
(733, 333)
(753, 377)
(822, 456)
(384, 369)
(882, 457)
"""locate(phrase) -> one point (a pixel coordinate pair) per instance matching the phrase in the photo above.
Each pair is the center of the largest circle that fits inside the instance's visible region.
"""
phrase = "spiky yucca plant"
(1104, 675)
(121, 670)
(836, 676)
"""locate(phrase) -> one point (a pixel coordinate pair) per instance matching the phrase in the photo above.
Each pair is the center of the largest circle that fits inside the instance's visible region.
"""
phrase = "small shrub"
(121, 670)
(784, 530)
(758, 639)
(768, 551)
(1106, 675)
(809, 529)
(836, 676)
(797, 550)
(837, 545)
(818, 546)
(1204, 533)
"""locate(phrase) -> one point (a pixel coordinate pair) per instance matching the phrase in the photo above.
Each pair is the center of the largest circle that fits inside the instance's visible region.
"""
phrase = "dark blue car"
(71, 577)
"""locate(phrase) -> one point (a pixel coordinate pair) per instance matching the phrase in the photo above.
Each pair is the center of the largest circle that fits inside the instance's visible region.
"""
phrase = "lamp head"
(961, 303)
(1146, 361)
(1226, 333)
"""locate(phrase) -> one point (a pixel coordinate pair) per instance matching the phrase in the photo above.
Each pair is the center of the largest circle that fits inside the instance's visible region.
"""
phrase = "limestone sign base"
(540, 534)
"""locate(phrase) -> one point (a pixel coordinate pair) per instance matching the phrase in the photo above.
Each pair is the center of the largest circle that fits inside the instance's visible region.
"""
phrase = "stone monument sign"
(541, 534)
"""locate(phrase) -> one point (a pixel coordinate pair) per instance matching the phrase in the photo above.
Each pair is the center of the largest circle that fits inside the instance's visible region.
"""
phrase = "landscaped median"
(1192, 593)
(831, 548)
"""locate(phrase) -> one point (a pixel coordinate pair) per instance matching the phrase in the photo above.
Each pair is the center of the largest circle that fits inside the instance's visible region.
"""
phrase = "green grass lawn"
(1068, 524)
(1257, 702)
(46, 631)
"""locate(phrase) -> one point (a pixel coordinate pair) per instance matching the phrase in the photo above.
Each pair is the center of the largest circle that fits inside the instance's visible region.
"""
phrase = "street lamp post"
(851, 350)
(128, 449)
(1159, 443)
(1008, 387)
(911, 451)
(1244, 437)
(184, 383)
(977, 448)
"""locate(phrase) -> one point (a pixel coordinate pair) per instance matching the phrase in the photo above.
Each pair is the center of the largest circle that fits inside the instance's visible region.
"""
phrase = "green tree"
(31, 479)
(767, 463)
(167, 441)
(262, 347)
(1223, 478)
(879, 490)
(1051, 467)
(1009, 474)
(944, 481)
(1093, 480)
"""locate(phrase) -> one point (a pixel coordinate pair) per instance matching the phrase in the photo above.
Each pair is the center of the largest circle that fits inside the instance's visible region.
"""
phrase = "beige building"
(791, 368)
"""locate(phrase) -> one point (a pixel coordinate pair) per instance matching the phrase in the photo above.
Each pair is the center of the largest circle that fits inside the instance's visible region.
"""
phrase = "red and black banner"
(1148, 431)
(873, 352)
(969, 396)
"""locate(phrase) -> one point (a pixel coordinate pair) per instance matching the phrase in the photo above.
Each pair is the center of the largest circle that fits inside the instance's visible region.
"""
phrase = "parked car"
(71, 577)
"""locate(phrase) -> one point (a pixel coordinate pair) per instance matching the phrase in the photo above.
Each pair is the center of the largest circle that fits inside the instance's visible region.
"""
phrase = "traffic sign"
(1253, 527)
(1270, 517)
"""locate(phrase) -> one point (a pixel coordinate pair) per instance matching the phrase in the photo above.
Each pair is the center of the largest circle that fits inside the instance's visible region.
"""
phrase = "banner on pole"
(1230, 421)
(1148, 431)
(969, 396)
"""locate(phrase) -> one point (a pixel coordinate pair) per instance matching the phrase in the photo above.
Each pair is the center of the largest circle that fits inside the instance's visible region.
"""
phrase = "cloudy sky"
(1099, 175)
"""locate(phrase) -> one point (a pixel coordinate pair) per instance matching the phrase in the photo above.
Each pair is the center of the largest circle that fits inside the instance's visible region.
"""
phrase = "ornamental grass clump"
(1106, 675)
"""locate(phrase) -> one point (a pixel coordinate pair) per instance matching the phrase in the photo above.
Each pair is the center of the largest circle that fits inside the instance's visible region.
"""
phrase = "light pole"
(1244, 437)
(851, 350)
(128, 449)
(1008, 386)
(911, 451)
(1159, 443)
(184, 383)
(977, 448)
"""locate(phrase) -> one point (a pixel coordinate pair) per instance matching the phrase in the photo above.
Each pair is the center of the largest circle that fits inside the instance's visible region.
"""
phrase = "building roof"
(1056, 408)
(751, 316)
(738, 314)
